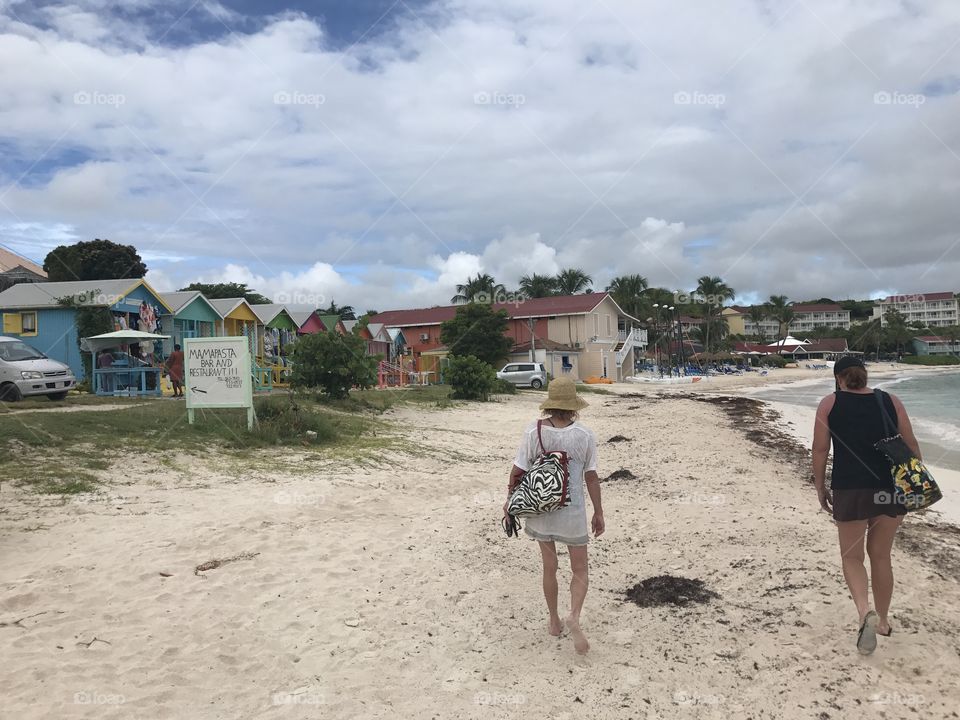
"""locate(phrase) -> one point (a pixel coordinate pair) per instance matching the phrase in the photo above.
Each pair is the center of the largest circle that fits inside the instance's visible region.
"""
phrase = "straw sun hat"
(562, 395)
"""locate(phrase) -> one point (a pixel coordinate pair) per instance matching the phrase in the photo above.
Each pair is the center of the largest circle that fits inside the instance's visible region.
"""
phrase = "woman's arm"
(512, 481)
(593, 489)
(821, 448)
(905, 428)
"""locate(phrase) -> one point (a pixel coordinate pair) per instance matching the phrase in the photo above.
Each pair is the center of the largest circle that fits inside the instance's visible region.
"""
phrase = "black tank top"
(855, 425)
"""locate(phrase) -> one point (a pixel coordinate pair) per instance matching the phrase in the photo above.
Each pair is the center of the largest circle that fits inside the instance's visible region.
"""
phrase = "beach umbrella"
(96, 343)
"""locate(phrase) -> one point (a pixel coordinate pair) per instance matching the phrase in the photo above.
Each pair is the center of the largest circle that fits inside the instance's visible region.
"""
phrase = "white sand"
(388, 590)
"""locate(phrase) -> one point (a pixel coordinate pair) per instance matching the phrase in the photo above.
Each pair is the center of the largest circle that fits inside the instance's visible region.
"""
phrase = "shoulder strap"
(543, 450)
(888, 426)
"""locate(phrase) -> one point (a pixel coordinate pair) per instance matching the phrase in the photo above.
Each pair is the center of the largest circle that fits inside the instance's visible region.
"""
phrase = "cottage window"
(28, 323)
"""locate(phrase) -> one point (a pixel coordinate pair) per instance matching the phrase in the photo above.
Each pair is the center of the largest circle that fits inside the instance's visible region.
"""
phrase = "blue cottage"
(33, 312)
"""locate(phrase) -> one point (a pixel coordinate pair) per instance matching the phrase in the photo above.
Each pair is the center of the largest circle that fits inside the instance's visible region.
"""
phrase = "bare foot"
(883, 627)
(555, 627)
(580, 643)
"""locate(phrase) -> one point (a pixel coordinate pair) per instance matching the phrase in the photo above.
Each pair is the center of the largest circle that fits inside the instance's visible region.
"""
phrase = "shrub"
(332, 363)
(470, 378)
(777, 361)
(281, 420)
(931, 360)
(502, 387)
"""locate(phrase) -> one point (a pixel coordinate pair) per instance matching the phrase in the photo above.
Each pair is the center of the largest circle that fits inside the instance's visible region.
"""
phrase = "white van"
(26, 371)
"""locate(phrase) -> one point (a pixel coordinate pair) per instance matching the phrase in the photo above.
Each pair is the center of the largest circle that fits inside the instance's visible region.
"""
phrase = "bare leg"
(880, 537)
(548, 551)
(851, 553)
(578, 593)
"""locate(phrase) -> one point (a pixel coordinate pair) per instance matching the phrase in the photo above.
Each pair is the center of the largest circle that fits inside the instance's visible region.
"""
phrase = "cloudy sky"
(378, 152)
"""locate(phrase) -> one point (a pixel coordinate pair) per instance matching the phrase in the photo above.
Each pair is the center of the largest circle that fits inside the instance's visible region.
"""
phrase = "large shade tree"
(215, 291)
(781, 311)
(478, 330)
(93, 260)
(757, 314)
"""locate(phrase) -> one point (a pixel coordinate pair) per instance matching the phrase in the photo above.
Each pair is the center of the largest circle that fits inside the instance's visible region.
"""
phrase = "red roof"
(931, 339)
(534, 307)
(816, 308)
(918, 297)
(829, 345)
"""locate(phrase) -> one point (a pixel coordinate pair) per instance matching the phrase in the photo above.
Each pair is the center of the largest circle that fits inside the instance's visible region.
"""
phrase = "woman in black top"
(861, 495)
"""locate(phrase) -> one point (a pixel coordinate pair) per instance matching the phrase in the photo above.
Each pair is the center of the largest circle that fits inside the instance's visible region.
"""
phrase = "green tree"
(89, 320)
(757, 314)
(628, 292)
(538, 286)
(482, 288)
(93, 260)
(470, 378)
(713, 291)
(217, 291)
(866, 337)
(344, 312)
(897, 330)
(332, 363)
(573, 281)
(781, 311)
(477, 330)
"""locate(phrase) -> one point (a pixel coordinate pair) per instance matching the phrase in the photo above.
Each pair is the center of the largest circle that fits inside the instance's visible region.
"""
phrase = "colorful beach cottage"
(333, 323)
(191, 316)
(34, 312)
(307, 320)
(238, 319)
(279, 330)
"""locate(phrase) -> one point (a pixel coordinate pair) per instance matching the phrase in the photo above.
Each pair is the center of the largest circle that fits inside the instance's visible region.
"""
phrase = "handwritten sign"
(217, 373)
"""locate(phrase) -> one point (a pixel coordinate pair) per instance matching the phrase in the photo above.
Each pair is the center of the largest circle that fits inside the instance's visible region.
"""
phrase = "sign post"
(217, 374)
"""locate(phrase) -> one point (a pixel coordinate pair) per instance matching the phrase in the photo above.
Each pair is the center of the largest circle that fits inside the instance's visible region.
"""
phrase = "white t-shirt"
(568, 524)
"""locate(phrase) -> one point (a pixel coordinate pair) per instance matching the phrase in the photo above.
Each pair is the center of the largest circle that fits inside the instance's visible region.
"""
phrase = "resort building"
(935, 345)
(937, 309)
(591, 325)
(805, 318)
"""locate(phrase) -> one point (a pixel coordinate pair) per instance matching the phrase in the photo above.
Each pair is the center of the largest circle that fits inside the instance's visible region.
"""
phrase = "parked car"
(531, 374)
(25, 371)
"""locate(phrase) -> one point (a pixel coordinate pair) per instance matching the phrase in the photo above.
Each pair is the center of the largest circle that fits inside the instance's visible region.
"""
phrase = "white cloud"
(617, 137)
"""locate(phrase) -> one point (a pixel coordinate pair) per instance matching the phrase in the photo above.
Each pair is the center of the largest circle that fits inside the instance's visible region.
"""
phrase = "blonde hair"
(570, 415)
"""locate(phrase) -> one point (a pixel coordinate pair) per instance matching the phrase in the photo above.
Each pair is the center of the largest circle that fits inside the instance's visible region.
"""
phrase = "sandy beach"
(384, 588)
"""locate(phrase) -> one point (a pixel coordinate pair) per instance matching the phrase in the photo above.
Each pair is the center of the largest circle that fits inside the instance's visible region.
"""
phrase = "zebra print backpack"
(544, 487)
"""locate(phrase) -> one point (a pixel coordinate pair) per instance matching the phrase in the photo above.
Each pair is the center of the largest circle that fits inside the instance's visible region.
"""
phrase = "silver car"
(25, 371)
(527, 374)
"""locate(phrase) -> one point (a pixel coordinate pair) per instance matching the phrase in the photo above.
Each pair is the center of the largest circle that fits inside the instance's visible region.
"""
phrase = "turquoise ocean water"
(932, 399)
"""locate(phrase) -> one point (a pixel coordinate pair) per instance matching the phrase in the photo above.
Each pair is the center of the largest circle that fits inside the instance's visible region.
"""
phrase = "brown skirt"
(866, 503)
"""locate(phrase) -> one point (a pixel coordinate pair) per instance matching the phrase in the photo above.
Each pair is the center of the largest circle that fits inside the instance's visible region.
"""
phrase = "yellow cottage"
(238, 318)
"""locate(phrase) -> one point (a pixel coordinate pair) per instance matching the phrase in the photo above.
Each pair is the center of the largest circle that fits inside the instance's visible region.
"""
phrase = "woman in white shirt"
(560, 430)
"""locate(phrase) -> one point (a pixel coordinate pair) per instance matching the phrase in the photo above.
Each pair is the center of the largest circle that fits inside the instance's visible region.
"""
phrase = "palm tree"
(628, 292)
(781, 311)
(714, 292)
(344, 312)
(538, 286)
(483, 284)
(573, 281)
(757, 314)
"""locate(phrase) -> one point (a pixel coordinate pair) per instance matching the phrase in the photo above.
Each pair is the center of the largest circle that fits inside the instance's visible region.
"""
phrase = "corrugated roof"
(225, 306)
(176, 301)
(266, 312)
(534, 307)
(45, 294)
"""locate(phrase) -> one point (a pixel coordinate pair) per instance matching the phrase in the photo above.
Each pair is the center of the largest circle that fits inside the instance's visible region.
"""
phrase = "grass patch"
(379, 401)
(584, 388)
(73, 399)
(63, 453)
(930, 360)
